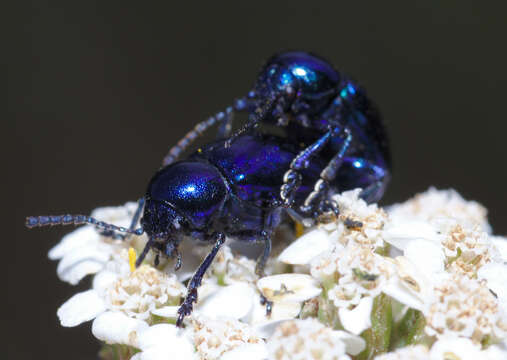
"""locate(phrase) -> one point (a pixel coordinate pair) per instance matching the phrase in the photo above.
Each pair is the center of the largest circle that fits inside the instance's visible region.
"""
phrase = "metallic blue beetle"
(242, 185)
(322, 108)
(218, 191)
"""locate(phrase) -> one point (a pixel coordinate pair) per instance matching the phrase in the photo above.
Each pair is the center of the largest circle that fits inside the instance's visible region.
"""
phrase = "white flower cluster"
(309, 339)
(428, 273)
(214, 338)
(445, 349)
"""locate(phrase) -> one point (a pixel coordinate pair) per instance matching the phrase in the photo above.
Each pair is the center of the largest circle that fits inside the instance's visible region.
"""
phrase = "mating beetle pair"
(242, 185)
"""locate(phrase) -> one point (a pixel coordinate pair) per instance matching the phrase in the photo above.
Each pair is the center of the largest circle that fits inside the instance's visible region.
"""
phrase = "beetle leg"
(270, 220)
(259, 269)
(269, 305)
(329, 172)
(292, 178)
(261, 260)
(373, 191)
(187, 305)
(317, 202)
(141, 257)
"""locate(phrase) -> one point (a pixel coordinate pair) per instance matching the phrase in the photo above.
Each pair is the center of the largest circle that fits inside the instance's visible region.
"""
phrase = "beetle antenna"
(265, 108)
(256, 117)
(39, 221)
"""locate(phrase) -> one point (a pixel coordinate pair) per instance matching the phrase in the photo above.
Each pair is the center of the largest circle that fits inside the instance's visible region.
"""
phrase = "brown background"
(98, 92)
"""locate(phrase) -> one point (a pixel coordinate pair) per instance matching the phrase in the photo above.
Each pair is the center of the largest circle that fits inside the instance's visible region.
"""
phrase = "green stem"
(379, 335)
(410, 330)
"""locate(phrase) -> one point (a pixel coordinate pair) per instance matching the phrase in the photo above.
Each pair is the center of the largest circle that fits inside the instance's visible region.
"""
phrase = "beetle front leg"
(187, 305)
(259, 269)
(263, 257)
(271, 220)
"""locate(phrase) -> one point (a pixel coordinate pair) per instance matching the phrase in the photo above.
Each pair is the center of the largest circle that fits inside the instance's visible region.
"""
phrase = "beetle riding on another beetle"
(316, 105)
(242, 185)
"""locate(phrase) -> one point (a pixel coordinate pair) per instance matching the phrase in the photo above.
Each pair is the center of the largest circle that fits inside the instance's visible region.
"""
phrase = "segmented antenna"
(256, 117)
(39, 221)
(198, 130)
(262, 111)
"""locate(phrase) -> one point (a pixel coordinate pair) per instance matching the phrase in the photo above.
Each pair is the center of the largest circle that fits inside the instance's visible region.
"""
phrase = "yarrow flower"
(115, 288)
(465, 307)
(309, 339)
(214, 338)
(441, 204)
(417, 352)
(424, 279)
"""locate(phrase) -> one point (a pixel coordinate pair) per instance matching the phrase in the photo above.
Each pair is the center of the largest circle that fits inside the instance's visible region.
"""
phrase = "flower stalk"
(410, 330)
(378, 337)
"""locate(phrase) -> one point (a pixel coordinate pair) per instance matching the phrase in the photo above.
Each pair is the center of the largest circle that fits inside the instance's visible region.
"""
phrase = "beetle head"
(304, 83)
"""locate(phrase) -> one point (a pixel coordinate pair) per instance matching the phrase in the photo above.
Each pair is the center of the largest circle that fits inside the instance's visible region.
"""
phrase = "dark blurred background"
(98, 92)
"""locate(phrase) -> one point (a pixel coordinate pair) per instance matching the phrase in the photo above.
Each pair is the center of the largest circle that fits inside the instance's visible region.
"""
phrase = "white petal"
(247, 352)
(425, 255)
(118, 215)
(501, 244)
(496, 275)
(103, 280)
(88, 259)
(412, 285)
(280, 311)
(402, 294)
(164, 341)
(353, 344)
(358, 319)
(74, 240)
(157, 335)
(164, 353)
(166, 311)
(495, 353)
(234, 301)
(266, 329)
(455, 348)
(81, 307)
(305, 248)
(289, 287)
(117, 328)
(208, 288)
(401, 234)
